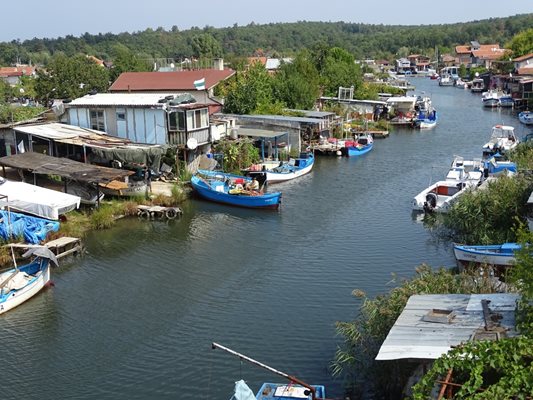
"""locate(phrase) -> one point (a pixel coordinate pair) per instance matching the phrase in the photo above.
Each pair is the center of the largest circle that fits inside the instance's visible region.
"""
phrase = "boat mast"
(260, 364)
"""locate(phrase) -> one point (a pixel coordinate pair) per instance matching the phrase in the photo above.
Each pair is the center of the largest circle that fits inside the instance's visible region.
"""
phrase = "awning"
(38, 163)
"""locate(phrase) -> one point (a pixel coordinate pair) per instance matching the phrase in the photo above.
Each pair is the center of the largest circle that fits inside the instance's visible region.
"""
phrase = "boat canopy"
(43, 252)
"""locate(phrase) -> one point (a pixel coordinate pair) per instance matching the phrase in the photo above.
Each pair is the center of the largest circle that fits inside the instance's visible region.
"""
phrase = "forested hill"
(279, 39)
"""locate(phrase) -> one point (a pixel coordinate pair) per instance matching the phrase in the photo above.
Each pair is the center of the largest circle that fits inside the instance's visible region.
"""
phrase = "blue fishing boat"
(235, 190)
(274, 171)
(499, 255)
(295, 389)
(426, 120)
(362, 144)
(21, 283)
(526, 117)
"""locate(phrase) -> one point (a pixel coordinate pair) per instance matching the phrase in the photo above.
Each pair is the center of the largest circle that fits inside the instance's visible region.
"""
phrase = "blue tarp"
(33, 229)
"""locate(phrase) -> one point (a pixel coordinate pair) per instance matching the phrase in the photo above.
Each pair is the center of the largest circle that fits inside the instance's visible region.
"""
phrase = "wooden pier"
(61, 247)
(152, 212)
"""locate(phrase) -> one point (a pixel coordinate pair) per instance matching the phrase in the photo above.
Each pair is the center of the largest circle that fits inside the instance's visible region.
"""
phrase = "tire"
(171, 213)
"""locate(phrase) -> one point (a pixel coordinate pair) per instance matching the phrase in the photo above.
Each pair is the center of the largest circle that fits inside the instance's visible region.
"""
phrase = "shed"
(430, 325)
(270, 140)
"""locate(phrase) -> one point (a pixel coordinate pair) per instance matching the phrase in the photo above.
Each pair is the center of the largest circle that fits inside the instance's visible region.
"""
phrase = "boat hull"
(218, 193)
(280, 391)
(287, 172)
(353, 151)
(14, 298)
(440, 196)
(526, 117)
(495, 255)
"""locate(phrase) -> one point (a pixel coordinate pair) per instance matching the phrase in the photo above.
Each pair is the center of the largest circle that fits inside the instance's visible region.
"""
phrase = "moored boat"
(232, 189)
(502, 140)
(295, 389)
(440, 196)
(506, 100)
(478, 85)
(362, 144)
(19, 284)
(502, 255)
(493, 98)
(526, 117)
(283, 171)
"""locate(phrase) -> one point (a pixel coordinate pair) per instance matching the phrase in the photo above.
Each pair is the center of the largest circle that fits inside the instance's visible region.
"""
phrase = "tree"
(297, 83)
(522, 43)
(70, 77)
(205, 46)
(248, 90)
(339, 69)
(124, 60)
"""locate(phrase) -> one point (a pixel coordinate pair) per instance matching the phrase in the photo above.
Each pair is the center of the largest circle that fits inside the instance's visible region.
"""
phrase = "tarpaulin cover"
(33, 229)
(31, 199)
(150, 156)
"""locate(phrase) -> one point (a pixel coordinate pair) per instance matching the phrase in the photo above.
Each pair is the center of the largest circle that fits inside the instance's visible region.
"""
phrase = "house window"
(197, 119)
(176, 121)
(97, 120)
(121, 114)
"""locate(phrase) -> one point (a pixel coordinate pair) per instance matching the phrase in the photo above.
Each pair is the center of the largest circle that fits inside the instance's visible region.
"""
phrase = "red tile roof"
(488, 54)
(468, 49)
(163, 81)
(524, 58)
(17, 71)
(252, 60)
(525, 70)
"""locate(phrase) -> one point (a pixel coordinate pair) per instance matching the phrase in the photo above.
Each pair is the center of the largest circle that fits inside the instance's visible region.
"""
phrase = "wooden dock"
(61, 247)
(152, 212)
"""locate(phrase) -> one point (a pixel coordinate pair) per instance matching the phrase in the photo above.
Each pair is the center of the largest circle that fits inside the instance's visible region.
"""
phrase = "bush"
(491, 215)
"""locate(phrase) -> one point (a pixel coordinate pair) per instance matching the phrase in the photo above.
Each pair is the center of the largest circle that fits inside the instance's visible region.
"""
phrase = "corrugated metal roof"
(121, 99)
(280, 118)
(260, 133)
(42, 164)
(314, 114)
(412, 337)
(76, 135)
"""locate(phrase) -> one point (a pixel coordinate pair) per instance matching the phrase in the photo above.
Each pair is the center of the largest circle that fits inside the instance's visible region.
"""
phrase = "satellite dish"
(192, 143)
(172, 65)
(477, 74)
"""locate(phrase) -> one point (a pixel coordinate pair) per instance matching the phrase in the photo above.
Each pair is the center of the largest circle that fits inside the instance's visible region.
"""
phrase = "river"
(135, 316)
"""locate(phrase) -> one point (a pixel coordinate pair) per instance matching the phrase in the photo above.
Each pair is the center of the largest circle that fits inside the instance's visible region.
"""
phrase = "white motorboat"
(502, 140)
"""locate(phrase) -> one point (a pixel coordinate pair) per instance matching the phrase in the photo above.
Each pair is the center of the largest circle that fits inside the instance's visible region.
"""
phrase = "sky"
(37, 18)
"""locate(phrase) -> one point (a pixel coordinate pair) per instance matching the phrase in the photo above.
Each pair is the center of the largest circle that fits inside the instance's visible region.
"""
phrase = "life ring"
(171, 213)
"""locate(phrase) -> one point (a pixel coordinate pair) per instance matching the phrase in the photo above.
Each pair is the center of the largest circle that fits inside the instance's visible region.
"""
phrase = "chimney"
(218, 64)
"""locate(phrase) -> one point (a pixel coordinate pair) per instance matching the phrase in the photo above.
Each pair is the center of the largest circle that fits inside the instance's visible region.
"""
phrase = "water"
(134, 318)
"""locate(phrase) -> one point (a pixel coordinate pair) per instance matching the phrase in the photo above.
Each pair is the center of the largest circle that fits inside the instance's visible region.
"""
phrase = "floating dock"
(152, 212)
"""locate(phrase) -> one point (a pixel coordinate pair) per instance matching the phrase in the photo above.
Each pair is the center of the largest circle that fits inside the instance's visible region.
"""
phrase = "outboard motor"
(261, 177)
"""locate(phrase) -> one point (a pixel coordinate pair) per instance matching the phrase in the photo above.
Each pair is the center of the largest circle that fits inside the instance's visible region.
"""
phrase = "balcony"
(202, 136)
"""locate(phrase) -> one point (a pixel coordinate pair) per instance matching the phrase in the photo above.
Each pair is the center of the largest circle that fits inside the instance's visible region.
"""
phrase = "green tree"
(248, 90)
(339, 69)
(124, 60)
(297, 83)
(522, 43)
(70, 77)
(205, 46)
